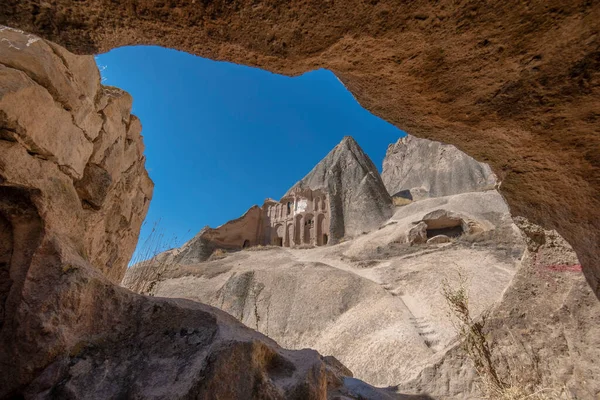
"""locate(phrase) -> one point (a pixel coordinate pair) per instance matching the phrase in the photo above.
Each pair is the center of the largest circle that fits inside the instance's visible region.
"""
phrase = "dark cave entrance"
(452, 231)
(444, 223)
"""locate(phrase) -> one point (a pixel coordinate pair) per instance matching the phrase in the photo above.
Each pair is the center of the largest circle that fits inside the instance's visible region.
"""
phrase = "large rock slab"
(543, 333)
(419, 168)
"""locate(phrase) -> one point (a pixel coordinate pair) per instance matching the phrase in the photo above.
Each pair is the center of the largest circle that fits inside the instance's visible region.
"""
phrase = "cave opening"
(450, 231)
(444, 225)
(255, 132)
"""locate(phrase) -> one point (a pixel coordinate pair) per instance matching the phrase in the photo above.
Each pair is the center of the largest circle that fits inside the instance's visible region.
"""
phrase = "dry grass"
(400, 201)
(217, 254)
(260, 247)
(516, 383)
(147, 268)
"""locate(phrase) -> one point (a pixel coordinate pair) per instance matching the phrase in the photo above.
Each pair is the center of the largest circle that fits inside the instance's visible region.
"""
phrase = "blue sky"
(222, 137)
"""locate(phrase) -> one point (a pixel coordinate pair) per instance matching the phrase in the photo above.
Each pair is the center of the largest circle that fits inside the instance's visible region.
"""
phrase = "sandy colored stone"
(49, 131)
(513, 84)
(71, 80)
(374, 304)
(418, 233)
(545, 328)
(417, 168)
(438, 239)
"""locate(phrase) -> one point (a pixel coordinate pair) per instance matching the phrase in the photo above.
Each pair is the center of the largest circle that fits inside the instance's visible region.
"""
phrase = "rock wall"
(73, 193)
(74, 140)
(418, 168)
(544, 332)
(358, 200)
(512, 84)
(230, 235)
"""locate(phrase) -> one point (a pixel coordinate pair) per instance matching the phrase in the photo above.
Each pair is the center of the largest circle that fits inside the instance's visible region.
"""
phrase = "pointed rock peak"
(358, 199)
(348, 141)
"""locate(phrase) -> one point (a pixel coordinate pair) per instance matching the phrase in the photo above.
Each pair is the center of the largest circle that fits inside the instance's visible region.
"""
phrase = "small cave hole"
(451, 227)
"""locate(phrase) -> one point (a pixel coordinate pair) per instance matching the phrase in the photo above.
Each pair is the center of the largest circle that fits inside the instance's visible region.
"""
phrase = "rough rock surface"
(417, 168)
(544, 331)
(345, 300)
(80, 148)
(511, 83)
(358, 200)
(73, 193)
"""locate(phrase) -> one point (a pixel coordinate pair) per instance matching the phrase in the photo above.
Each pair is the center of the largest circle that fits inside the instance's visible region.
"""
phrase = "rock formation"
(84, 149)
(513, 84)
(73, 193)
(341, 197)
(418, 168)
(339, 300)
(358, 200)
(545, 330)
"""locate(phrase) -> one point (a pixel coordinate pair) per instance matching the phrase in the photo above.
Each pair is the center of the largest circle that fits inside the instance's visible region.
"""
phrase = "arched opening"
(309, 229)
(553, 218)
(321, 230)
(278, 235)
(246, 244)
(325, 239)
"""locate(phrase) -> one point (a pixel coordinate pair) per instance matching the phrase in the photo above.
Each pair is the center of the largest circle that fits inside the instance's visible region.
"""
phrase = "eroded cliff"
(416, 168)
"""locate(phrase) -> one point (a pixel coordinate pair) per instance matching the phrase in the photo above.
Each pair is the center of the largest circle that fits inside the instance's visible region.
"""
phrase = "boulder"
(438, 239)
(418, 233)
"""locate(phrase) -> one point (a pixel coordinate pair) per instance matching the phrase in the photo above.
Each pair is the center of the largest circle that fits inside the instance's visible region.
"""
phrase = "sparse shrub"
(495, 385)
(366, 263)
(147, 266)
(217, 255)
(400, 201)
(260, 247)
